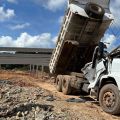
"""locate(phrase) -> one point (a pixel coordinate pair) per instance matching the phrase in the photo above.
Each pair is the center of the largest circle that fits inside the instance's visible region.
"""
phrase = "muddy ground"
(27, 97)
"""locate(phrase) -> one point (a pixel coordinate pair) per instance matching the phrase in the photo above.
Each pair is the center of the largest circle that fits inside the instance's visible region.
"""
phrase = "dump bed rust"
(78, 37)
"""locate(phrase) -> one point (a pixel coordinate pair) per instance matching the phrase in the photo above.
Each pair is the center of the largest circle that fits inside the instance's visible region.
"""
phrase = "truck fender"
(109, 79)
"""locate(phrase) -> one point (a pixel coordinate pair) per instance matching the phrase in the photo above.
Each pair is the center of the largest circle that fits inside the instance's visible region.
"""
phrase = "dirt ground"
(29, 97)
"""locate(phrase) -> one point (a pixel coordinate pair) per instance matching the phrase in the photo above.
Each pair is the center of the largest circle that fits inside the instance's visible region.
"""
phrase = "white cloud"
(25, 40)
(6, 14)
(19, 26)
(60, 20)
(52, 5)
(114, 30)
(54, 40)
(115, 8)
(110, 39)
(12, 1)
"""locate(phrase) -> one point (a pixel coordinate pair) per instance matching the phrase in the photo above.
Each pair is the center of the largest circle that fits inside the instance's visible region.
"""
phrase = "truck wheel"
(66, 87)
(59, 83)
(109, 99)
(94, 10)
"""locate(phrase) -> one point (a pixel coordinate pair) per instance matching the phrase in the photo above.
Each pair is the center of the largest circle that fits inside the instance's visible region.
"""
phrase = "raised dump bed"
(84, 25)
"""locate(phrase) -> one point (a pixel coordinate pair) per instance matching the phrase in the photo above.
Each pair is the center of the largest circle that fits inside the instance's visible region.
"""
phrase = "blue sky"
(36, 23)
(35, 20)
(34, 16)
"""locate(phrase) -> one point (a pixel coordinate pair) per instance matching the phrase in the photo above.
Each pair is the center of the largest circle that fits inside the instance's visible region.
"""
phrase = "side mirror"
(102, 46)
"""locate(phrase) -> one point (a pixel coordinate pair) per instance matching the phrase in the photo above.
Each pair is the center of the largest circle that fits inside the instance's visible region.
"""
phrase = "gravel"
(26, 103)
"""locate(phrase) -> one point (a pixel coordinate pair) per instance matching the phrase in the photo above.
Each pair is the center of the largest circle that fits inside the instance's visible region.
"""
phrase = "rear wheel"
(66, 87)
(109, 99)
(59, 83)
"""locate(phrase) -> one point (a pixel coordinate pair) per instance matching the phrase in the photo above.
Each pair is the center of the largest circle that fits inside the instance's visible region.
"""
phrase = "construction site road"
(24, 97)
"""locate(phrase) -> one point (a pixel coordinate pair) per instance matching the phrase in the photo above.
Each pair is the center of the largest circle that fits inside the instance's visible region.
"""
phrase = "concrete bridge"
(25, 56)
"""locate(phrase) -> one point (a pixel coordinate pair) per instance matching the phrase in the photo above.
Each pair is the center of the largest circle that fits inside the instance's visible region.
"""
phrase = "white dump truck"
(80, 62)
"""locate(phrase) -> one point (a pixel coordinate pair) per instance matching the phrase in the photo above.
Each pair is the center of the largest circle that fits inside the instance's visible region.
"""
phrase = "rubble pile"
(26, 103)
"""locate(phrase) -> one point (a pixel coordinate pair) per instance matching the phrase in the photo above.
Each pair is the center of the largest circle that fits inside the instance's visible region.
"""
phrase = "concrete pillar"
(30, 67)
(35, 71)
(33, 68)
(42, 70)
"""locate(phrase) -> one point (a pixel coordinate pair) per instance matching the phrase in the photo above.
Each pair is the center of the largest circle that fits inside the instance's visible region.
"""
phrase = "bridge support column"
(37, 72)
(30, 67)
(42, 70)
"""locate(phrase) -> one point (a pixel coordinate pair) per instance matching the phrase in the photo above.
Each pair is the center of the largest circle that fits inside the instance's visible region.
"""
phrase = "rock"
(1, 96)
(8, 118)
(52, 118)
(22, 107)
(36, 96)
(8, 94)
(46, 77)
(19, 114)
(42, 91)
(52, 78)
(33, 109)
(40, 117)
(37, 109)
(50, 98)
(75, 100)
(2, 93)
(23, 114)
(2, 119)
(17, 91)
(17, 118)
(25, 104)
(5, 82)
(9, 99)
(26, 112)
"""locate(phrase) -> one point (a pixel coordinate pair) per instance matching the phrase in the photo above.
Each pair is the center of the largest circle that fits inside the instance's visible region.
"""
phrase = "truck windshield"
(103, 3)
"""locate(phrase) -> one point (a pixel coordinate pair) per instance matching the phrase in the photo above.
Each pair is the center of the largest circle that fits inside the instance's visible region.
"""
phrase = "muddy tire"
(66, 87)
(94, 10)
(59, 83)
(109, 99)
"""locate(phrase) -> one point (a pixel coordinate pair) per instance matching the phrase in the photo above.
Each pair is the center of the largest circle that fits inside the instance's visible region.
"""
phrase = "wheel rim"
(109, 99)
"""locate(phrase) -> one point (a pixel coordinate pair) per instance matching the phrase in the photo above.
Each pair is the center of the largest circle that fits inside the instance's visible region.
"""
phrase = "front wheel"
(109, 99)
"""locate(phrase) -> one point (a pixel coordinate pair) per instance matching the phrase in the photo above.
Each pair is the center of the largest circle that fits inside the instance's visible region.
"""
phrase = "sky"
(36, 23)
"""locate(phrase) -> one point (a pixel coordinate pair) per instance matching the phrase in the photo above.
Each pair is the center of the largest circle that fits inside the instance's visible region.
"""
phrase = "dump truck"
(80, 61)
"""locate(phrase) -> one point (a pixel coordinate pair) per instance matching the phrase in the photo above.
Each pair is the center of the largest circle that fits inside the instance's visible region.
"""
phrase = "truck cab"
(109, 89)
(104, 82)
